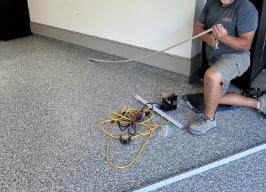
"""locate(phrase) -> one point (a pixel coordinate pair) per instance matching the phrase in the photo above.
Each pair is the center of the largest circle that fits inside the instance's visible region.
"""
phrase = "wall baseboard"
(176, 64)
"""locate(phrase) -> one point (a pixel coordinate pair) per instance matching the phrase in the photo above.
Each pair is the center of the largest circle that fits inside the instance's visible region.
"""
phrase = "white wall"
(151, 24)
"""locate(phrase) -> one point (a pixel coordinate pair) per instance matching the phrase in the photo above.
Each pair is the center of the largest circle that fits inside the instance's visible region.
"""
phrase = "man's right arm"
(208, 38)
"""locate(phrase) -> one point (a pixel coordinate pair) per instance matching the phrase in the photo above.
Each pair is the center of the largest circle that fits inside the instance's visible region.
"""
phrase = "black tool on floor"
(168, 101)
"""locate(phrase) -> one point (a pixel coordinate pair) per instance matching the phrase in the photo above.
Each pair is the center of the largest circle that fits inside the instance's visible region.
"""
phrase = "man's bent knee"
(212, 78)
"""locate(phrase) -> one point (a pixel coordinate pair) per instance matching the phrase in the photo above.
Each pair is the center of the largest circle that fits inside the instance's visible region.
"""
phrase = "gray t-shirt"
(238, 18)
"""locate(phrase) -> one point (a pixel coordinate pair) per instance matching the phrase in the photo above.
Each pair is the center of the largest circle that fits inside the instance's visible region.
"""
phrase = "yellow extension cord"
(124, 117)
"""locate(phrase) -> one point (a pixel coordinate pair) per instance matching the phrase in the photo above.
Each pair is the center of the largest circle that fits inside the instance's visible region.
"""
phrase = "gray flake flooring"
(52, 99)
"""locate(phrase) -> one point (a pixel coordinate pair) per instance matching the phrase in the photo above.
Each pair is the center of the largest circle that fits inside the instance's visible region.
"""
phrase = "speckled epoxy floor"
(53, 98)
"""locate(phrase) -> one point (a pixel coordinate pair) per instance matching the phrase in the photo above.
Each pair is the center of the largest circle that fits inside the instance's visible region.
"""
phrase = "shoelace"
(201, 120)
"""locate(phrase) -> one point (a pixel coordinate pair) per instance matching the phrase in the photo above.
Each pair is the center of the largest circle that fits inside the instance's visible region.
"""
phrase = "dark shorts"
(231, 66)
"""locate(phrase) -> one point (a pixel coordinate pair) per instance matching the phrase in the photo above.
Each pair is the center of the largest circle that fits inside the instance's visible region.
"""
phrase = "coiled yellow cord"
(124, 117)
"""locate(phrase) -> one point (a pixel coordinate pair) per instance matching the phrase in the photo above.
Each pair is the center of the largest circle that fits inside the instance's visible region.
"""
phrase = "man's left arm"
(243, 42)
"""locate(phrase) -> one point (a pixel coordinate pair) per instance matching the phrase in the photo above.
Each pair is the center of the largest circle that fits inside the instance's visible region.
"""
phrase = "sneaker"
(262, 100)
(202, 125)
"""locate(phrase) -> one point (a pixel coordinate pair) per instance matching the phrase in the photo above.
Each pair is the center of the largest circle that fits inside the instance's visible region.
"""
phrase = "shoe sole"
(196, 133)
